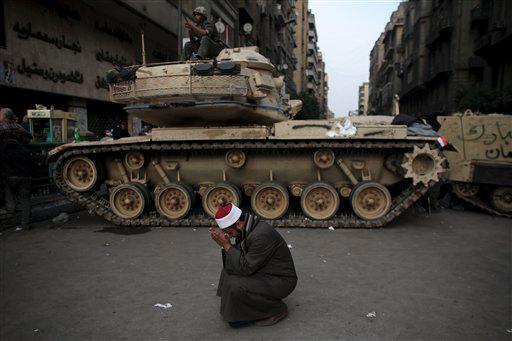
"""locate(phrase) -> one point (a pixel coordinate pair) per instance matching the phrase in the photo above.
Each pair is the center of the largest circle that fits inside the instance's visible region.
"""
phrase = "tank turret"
(237, 88)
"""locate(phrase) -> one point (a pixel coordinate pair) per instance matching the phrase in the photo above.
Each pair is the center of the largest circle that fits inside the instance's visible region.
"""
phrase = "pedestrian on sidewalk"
(15, 166)
(258, 270)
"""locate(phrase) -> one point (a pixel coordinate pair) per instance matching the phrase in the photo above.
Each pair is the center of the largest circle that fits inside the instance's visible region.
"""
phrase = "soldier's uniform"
(207, 46)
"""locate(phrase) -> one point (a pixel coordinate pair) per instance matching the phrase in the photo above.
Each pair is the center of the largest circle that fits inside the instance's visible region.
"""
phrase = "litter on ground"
(290, 246)
(372, 314)
(165, 306)
(331, 228)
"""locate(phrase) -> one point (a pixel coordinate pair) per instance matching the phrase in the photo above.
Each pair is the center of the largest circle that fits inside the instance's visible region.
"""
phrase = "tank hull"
(311, 181)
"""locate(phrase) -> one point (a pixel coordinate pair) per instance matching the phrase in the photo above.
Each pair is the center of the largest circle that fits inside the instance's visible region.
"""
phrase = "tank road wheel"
(220, 194)
(465, 189)
(129, 200)
(320, 201)
(423, 165)
(370, 200)
(501, 199)
(174, 201)
(270, 200)
(80, 173)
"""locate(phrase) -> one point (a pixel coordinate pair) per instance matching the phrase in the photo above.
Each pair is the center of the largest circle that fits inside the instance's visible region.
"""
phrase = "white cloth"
(229, 219)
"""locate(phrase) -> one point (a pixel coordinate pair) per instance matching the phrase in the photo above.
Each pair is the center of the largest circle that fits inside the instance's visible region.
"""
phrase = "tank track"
(101, 207)
(479, 203)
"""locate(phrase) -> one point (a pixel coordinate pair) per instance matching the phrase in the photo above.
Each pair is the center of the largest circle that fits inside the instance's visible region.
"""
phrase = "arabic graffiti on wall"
(101, 83)
(26, 32)
(116, 32)
(49, 73)
(106, 56)
(495, 137)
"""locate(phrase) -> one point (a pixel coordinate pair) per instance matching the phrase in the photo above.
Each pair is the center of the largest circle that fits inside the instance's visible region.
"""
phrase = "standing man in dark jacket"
(258, 271)
(204, 38)
(15, 167)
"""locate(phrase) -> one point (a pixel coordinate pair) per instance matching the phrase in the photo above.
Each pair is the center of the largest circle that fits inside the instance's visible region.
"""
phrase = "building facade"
(364, 94)
(310, 76)
(323, 87)
(386, 68)
(272, 28)
(457, 55)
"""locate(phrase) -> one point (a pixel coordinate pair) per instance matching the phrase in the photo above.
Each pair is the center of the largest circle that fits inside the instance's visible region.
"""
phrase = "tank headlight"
(228, 68)
(203, 69)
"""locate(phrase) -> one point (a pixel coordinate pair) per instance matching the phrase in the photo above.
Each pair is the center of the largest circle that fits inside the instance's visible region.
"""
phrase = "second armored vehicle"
(481, 167)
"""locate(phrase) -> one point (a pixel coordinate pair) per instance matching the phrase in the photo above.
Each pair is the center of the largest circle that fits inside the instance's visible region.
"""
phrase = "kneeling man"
(258, 270)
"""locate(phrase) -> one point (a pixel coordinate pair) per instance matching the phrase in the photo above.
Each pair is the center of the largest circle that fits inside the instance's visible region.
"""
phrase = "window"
(2, 25)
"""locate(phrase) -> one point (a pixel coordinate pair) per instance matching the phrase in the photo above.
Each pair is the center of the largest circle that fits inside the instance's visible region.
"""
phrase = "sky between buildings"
(347, 30)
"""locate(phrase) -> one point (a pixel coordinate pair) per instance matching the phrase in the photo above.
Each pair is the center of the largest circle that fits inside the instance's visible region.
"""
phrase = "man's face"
(235, 230)
(2, 116)
(199, 18)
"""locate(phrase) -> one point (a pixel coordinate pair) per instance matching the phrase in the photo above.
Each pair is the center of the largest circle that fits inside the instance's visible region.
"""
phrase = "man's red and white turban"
(227, 215)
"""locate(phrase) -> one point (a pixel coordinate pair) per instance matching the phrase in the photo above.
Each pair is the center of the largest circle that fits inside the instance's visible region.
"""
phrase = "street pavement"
(441, 276)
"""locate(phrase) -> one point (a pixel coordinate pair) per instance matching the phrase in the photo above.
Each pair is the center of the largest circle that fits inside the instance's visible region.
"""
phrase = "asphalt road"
(444, 276)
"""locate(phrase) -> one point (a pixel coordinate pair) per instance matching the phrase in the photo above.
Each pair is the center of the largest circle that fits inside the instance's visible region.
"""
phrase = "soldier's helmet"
(200, 10)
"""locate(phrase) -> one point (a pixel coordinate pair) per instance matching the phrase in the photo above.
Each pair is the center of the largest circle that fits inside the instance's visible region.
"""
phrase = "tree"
(310, 108)
(485, 100)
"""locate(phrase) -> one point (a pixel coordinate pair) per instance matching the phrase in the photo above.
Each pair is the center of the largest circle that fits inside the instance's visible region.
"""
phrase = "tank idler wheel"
(465, 189)
(80, 173)
(320, 201)
(129, 200)
(270, 200)
(501, 199)
(175, 200)
(218, 195)
(370, 200)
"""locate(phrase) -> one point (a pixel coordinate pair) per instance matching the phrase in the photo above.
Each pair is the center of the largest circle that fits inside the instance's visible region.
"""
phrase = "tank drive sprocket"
(423, 165)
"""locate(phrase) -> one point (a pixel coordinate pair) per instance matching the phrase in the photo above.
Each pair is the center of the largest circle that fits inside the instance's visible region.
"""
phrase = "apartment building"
(455, 55)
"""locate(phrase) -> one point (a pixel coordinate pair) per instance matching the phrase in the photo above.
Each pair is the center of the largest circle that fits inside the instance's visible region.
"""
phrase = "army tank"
(480, 166)
(225, 133)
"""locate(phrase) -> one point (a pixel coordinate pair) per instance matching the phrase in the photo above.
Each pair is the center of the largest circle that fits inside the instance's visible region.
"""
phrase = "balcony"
(279, 15)
(312, 34)
(480, 15)
(312, 75)
(389, 53)
(312, 60)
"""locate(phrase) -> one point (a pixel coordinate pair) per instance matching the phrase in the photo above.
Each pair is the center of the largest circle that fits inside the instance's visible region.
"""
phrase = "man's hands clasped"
(220, 237)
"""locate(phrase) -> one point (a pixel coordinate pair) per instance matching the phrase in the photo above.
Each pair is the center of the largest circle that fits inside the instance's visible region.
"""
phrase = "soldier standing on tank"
(204, 38)
(15, 165)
